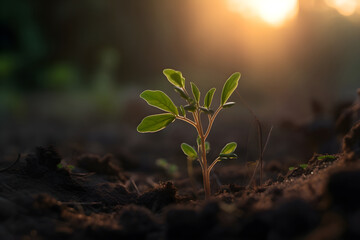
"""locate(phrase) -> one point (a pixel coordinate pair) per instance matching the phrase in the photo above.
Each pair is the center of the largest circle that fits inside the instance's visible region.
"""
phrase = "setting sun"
(274, 12)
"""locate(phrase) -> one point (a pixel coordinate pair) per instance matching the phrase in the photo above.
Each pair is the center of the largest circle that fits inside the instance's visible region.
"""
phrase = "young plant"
(193, 107)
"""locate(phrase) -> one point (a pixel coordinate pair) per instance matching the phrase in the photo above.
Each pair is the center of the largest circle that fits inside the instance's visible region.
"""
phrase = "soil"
(100, 198)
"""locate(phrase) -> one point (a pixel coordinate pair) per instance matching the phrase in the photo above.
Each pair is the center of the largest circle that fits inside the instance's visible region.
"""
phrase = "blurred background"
(71, 72)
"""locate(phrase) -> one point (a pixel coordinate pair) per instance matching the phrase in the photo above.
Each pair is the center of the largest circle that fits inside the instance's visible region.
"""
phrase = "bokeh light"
(274, 12)
(344, 7)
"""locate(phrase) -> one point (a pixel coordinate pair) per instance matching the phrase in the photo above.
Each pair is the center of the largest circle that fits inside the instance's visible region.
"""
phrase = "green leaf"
(174, 77)
(161, 162)
(331, 157)
(182, 93)
(182, 111)
(228, 156)
(207, 111)
(195, 92)
(189, 151)
(207, 144)
(190, 108)
(229, 148)
(60, 165)
(208, 97)
(70, 167)
(207, 147)
(228, 104)
(159, 100)
(229, 87)
(154, 123)
(291, 168)
(173, 169)
(198, 141)
(303, 166)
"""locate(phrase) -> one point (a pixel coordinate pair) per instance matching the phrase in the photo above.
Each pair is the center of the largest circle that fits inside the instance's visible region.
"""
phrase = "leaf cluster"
(160, 100)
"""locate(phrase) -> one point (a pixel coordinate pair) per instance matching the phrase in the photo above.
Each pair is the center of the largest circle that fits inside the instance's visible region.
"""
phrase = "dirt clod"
(159, 197)
(100, 165)
(44, 160)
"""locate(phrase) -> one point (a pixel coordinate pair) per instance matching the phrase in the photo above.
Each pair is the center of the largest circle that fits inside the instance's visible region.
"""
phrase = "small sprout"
(323, 157)
(171, 169)
(161, 162)
(303, 166)
(62, 166)
(157, 122)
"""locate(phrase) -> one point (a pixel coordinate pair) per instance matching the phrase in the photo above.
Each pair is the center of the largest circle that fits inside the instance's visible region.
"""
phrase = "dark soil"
(100, 199)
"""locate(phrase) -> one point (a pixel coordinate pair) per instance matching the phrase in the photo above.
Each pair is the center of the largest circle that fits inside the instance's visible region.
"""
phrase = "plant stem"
(203, 161)
(211, 121)
(187, 120)
(206, 172)
(213, 164)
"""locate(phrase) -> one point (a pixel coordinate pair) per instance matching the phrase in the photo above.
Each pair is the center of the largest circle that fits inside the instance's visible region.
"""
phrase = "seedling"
(68, 166)
(171, 169)
(303, 166)
(326, 157)
(157, 122)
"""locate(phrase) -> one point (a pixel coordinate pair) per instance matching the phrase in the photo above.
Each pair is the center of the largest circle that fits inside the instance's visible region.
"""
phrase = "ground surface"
(97, 199)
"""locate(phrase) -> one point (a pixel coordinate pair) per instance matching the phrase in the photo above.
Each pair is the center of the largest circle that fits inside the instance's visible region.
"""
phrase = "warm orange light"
(274, 12)
(344, 7)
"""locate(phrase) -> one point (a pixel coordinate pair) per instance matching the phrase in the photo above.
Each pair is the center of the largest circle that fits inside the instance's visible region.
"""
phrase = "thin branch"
(135, 186)
(211, 121)
(213, 164)
(187, 120)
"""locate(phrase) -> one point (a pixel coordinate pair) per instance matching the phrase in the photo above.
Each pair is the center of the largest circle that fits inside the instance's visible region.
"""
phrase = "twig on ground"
(134, 184)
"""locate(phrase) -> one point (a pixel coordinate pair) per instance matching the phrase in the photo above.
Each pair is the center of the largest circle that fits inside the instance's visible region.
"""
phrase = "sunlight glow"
(344, 7)
(274, 12)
